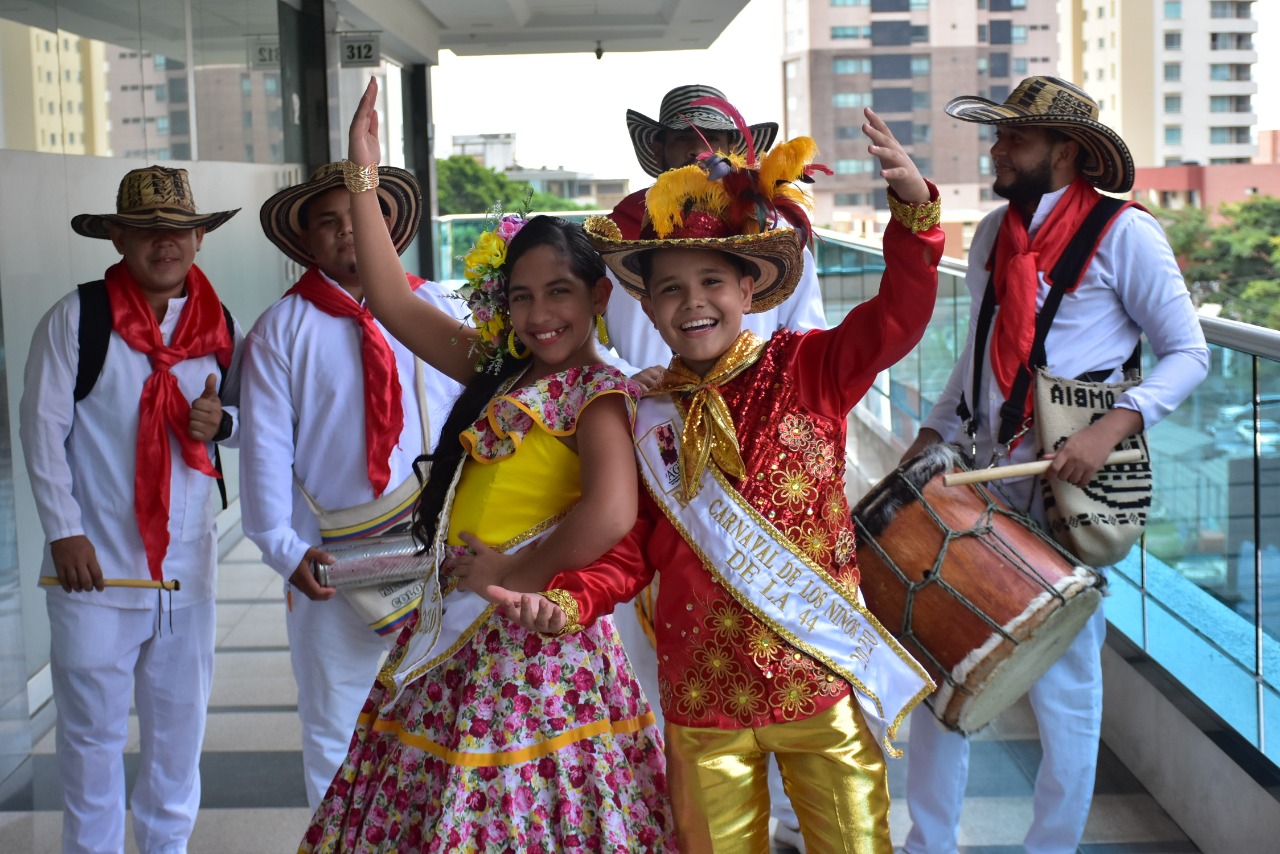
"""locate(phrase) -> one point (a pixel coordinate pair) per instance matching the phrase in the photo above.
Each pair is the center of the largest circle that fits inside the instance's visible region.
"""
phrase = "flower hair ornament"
(485, 289)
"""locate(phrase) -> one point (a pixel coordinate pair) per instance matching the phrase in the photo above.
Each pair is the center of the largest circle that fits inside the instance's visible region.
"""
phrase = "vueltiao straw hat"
(398, 191)
(677, 112)
(1055, 103)
(151, 197)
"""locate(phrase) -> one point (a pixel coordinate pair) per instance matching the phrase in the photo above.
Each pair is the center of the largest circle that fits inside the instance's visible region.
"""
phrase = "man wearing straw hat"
(119, 447)
(335, 412)
(1051, 157)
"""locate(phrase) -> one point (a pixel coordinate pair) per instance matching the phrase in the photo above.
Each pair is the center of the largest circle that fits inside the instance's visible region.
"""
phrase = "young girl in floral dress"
(479, 735)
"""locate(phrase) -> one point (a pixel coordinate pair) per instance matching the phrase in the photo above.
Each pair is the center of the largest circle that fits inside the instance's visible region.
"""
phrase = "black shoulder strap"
(95, 333)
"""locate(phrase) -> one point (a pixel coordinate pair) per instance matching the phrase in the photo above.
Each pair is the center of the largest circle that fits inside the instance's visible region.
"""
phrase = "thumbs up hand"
(206, 412)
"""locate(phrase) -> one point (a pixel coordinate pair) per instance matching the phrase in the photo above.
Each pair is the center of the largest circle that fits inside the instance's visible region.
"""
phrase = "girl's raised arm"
(430, 333)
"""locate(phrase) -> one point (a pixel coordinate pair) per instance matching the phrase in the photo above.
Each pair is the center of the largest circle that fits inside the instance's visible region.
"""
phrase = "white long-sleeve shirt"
(81, 459)
(637, 344)
(303, 406)
(1132, 286)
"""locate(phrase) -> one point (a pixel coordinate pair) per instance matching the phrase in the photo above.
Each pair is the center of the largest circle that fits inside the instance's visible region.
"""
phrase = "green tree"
(1236, 263)
(463, 186)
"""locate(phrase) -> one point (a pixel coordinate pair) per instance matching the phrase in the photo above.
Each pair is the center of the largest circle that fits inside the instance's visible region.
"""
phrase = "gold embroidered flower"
(834, 507)
(793, 694)
(763, 645)
(716, 663)
(665, 692)
(793, 488)
(795, 431)
(820, 460)
(815, 544)
(845, 546)
(693, 696)
(744, 702)
(726, 621)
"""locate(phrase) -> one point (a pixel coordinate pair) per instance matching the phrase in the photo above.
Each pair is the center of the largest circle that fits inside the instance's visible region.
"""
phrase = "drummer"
(1051, 157)
(313, 360)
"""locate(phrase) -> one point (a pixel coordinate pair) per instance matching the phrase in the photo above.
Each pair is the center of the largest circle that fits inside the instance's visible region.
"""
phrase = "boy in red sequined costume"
(762, 643)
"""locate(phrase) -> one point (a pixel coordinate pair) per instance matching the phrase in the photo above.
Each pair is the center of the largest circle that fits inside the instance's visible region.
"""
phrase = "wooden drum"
(973, 590)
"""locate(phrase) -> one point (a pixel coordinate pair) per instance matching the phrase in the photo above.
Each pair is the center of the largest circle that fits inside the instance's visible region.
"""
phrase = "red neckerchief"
(201, 330)
(1018, 262)
(383, 410)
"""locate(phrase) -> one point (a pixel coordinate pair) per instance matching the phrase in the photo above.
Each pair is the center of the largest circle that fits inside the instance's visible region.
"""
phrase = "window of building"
(1172, 10)
(984, 164)
(271, 83)
(846, 65)
(921, 101)
(1173, 41)
(850, 199)
(1017, 4)
(246, 85)
(921, 133)
(851, 99)
(1220, 41)
(1173, 103)
(983, 38)
(983, 65)
(71, 139)
(1228, 136)
(162, 125)
(851, 32)
(1018, 34)
(848, 131)
(1173, 135)
(919, 4)
(792, 69)
(1019, 66)
(161, 92)
(920, 35)
(1173, 161)
(861, 166)
(925, 164)
(919, 65)
(850, 2)
(1172, 72)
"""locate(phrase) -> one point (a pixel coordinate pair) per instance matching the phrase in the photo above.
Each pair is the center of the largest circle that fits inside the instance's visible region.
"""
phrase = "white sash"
(776, 581)
(447, 619)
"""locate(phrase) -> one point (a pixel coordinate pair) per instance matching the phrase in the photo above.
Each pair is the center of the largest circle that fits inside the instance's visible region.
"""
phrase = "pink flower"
(509, 226)
(477, 801)
(532, 645)
(533, 675)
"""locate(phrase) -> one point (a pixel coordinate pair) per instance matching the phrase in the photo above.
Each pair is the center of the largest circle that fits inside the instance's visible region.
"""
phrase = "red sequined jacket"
(718, 665)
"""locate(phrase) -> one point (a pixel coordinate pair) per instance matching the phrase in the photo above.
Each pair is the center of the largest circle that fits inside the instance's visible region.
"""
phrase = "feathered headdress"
(737, 203)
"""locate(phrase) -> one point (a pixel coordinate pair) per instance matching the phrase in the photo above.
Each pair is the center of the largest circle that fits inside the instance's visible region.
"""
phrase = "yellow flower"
(489, 251)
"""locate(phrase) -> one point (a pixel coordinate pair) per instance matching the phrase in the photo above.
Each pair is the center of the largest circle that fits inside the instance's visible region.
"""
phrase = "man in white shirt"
(1049, 156)
(125, 494)
(335, 412)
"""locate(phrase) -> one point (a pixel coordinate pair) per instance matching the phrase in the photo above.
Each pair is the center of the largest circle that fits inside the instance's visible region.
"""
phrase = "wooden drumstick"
(145, 583)
(1133, 455)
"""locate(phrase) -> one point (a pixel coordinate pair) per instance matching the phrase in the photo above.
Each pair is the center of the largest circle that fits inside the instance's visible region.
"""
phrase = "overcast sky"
(570, 109)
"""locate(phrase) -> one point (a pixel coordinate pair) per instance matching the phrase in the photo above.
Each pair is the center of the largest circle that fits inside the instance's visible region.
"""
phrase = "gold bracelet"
(569, 605)
(919, 216)
(359, 178)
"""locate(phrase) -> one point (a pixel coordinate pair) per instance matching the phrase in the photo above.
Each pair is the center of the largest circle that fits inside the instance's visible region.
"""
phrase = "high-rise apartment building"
(905, 59)
(1173, 77)
(53, 86)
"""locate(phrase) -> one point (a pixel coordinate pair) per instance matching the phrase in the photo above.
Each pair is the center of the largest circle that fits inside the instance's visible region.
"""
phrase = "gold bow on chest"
(709, 431)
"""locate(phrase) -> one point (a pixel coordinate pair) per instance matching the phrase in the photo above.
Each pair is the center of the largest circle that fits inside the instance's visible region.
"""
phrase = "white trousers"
(101, 660)
(335, 657)
(1067, 702)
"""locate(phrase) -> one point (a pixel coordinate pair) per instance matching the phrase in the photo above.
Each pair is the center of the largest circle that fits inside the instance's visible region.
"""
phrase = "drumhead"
(903, 486)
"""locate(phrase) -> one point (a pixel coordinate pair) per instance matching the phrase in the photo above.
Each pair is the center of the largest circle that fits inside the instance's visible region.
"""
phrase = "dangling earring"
(512, 341)
(601, 332)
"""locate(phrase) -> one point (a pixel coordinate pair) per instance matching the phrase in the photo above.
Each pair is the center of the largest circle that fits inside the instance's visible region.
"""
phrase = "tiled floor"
(253, 800)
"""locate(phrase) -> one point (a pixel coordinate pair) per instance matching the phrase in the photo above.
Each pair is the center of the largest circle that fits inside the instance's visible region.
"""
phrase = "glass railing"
(1201, 592)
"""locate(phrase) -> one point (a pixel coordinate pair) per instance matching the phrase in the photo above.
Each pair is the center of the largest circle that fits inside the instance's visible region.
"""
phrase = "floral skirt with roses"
(519, 743)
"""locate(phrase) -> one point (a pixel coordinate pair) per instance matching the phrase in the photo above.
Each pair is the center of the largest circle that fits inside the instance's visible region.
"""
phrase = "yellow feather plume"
(784, 165)
(679, 190)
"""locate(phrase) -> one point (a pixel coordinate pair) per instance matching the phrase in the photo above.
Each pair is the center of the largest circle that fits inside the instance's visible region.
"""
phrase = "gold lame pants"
(833, 771)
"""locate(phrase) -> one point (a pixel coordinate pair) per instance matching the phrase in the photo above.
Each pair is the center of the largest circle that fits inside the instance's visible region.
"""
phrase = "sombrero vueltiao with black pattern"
(748, 208)
(151, 197)
(1055, 103)
(398, 191)
(678, 112)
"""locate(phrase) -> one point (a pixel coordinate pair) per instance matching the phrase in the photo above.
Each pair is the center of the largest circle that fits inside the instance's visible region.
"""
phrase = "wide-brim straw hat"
(1052, 102)
(397, 189)
(151, 197)
(775, 258)
(677, 114)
